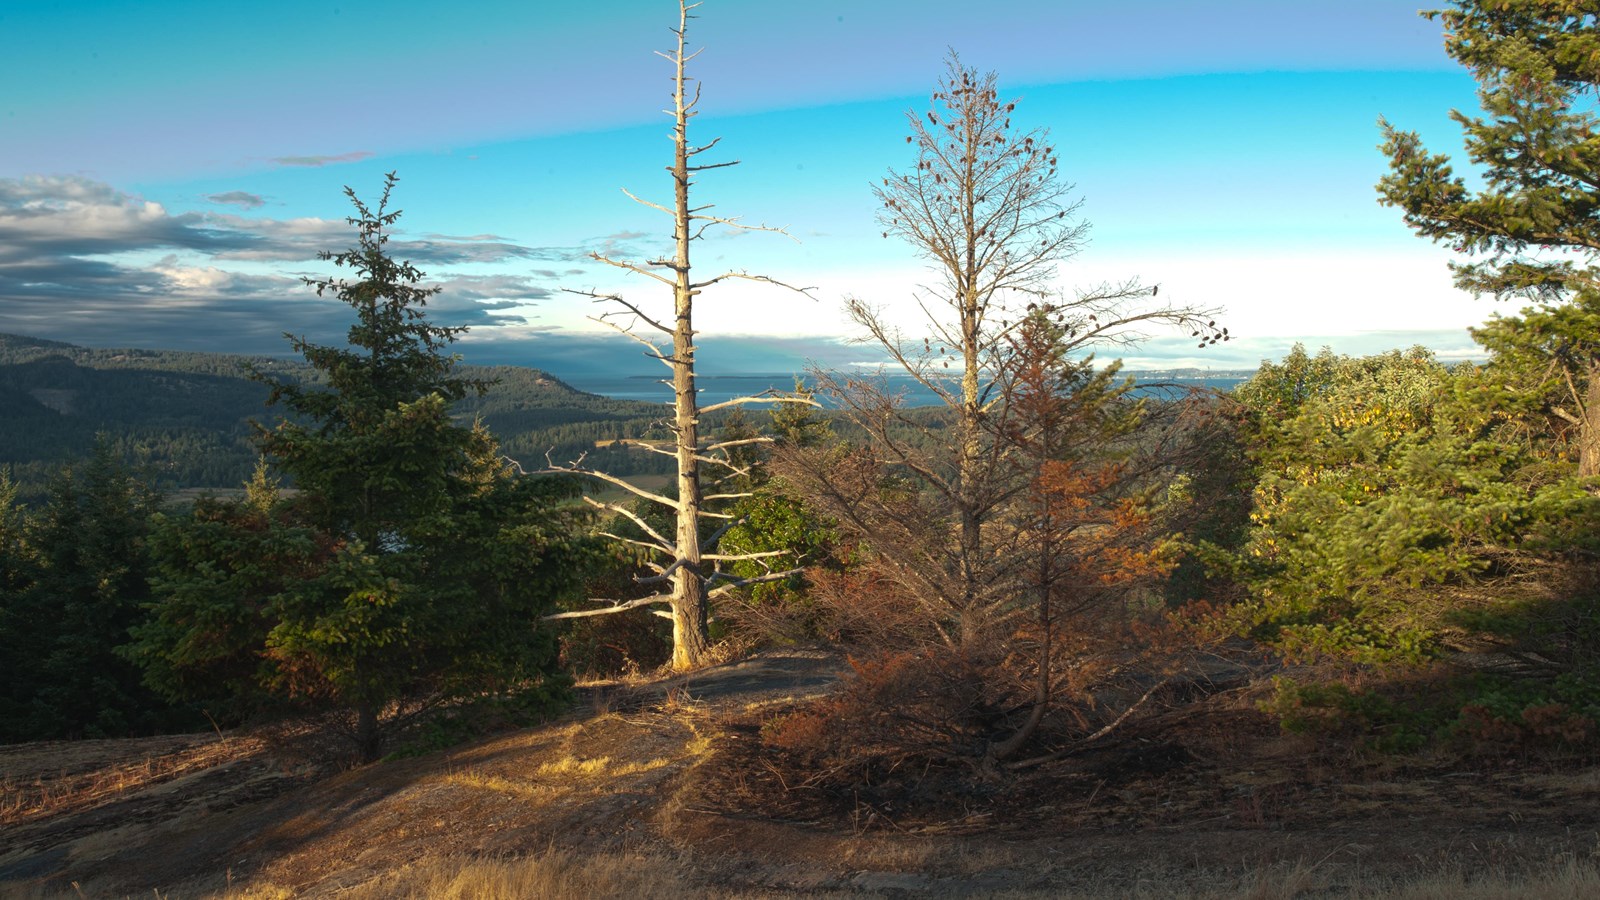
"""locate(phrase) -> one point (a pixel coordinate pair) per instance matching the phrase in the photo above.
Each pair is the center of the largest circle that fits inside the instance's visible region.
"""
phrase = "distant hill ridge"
(183, 416)
(16, 348)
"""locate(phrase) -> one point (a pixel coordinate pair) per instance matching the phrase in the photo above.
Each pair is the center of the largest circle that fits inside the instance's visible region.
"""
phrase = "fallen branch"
(1079, 745)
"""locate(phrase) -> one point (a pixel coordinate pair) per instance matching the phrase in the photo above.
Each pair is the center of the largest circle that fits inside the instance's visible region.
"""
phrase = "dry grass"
(600, 766)
(558, 875)
(499, 784)
(571, 765)
(42, 794)
(623, 805)
(553, 875)
(1569, 880)
(1563, 880)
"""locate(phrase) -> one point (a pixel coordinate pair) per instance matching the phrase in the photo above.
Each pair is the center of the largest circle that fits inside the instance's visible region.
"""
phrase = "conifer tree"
(359, 445)
(14, 551)
(411, 563)
(1532, 229)
(1081, 531)
(1379, 479)
(83, 585)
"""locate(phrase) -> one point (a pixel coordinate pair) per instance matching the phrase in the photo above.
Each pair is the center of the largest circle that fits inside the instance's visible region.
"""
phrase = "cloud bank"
(84, 262)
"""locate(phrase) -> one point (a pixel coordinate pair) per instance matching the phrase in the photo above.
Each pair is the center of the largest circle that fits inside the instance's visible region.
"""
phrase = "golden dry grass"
(46, 793)
(553, 875)
(615, 805)
(558, 875)
(499, 784)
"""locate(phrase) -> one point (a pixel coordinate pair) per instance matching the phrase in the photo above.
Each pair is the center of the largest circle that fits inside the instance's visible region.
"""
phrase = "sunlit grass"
(598, 766)
(498, 784)
(24, 799)
(553, 875)
(557, 875)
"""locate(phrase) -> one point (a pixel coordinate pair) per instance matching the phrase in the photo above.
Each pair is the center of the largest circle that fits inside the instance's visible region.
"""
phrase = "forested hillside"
(183, 418)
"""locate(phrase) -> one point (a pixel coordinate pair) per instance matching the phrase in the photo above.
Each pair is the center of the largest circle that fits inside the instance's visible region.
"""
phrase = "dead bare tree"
(986, 205)
(680, 559)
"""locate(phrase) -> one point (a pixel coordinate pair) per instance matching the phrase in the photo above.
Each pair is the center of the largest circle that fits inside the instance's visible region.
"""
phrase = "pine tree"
(1383, 479)
(357, 446)
(1533, 226)
(411, 562)
(15, 554)
(84, 584)
(1081, 531)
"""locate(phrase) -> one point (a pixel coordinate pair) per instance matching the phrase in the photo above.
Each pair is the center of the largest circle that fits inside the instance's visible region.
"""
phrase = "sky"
(170, 170)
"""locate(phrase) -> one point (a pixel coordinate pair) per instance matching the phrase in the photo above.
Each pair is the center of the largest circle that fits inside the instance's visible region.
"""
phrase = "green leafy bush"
(1379, 480)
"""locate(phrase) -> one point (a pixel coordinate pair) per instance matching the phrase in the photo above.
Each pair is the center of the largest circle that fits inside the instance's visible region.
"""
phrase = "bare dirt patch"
(672, 778)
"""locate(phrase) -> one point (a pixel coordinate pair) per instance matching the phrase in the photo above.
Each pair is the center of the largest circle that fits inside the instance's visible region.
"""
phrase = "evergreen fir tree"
(1532, 228)
(411, 563)
(80, 585)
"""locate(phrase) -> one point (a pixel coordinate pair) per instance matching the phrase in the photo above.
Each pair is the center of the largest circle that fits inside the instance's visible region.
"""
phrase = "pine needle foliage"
(1531, 231)
(411, 565)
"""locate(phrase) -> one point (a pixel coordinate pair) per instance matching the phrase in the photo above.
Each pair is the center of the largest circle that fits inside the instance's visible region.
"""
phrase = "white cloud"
(83, 261)
(1334, 293)
(192, 279)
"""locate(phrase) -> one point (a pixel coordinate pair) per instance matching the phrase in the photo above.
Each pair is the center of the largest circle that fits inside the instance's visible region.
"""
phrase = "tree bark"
(970, 520)
(683, 562)
(690, 608)
(369, 741)
(1589, 431)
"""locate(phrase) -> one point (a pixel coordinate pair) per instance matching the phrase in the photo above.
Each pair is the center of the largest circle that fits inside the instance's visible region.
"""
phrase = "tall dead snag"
(985, 204)
(680, 559)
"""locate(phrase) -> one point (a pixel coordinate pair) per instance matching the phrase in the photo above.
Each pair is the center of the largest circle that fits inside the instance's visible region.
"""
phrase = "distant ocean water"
(718, 388)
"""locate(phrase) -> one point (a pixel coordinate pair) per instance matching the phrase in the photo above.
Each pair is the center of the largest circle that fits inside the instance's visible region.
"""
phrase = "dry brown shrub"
(948, 708)
(1542, 725)
(897, 707)
(860, 607)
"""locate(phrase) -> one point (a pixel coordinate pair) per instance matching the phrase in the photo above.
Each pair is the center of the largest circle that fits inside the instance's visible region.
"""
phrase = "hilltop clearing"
(666, 786)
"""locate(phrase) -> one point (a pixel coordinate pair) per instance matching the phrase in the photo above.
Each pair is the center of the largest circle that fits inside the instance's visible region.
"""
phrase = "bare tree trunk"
(965, 278)
(690, 637)
(1589, 430)
(368, 739)
(680, 557)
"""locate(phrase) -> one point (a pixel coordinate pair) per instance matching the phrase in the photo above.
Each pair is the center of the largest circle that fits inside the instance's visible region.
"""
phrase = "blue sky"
(169, 170)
